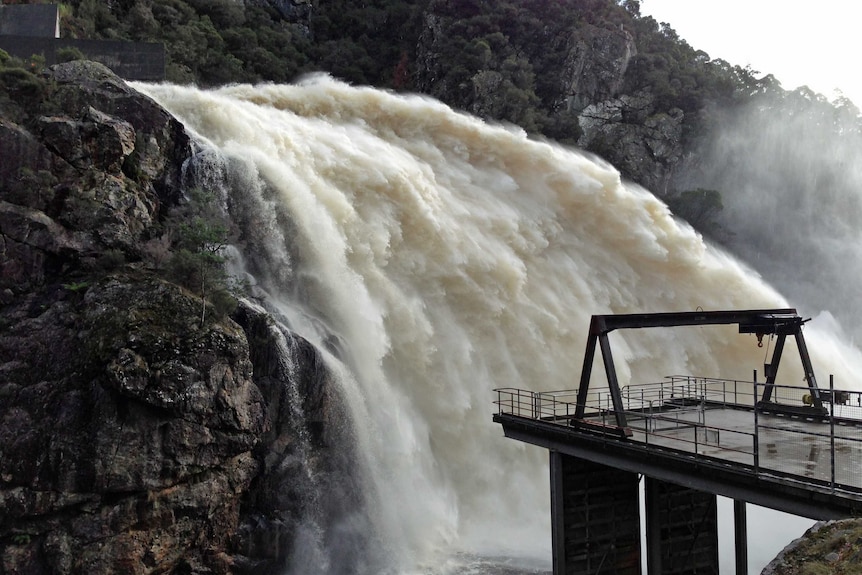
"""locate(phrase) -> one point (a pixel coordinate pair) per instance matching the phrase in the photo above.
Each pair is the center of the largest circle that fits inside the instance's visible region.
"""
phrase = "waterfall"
(433, 258)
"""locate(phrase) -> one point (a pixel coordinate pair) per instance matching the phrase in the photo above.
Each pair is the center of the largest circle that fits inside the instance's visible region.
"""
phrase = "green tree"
(198, 260)
(69, 53)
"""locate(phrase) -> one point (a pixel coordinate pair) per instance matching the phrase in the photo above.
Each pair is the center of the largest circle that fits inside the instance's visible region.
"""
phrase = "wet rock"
(644, 143)
(136, 437)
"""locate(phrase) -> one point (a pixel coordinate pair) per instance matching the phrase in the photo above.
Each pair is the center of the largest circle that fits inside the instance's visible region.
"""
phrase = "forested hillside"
(382, 43)
(594, 73)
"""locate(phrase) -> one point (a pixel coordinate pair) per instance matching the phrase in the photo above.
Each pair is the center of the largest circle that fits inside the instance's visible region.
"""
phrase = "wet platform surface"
(789, 455)
(825, 451)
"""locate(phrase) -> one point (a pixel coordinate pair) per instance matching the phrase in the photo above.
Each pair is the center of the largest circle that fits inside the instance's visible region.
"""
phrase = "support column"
(558, 539)
(682, 530)
(595, 518)
(740, 537)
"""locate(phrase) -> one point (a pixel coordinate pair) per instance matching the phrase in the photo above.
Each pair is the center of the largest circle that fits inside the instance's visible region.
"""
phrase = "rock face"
(828, 547)
(644, 143)
(85, 174)
(590, 109)
(133, 438)
(595, 66)
(127, 431)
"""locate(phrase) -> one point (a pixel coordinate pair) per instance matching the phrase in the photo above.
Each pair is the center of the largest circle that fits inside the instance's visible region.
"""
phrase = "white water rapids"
(450, 257)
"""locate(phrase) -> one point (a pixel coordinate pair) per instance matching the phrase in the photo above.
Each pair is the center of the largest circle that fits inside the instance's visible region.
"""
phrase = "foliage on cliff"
(526, 41)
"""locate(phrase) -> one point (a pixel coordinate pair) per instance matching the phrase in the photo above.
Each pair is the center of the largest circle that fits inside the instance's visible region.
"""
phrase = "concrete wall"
(130, 60)
(37, 20)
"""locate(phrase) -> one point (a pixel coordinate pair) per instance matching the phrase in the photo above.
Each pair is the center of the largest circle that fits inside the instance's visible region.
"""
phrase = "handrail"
(672, 414)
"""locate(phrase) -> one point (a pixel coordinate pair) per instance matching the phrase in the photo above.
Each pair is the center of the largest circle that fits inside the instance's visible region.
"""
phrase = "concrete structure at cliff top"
(27, 30)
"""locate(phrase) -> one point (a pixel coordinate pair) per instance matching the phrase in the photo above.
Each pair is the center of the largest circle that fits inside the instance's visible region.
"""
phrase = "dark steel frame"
(778, 322)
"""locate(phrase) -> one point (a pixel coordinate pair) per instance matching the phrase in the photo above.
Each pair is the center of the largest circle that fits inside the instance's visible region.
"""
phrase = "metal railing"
(717, 420)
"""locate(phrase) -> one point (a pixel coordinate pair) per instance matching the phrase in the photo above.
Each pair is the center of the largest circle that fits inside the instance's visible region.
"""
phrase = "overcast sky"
(801, 42)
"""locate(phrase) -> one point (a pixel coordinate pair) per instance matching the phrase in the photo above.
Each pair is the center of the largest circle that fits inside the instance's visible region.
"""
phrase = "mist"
(788, 166)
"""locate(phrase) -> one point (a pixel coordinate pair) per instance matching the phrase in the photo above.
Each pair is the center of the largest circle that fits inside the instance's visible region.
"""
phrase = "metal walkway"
(805, 464)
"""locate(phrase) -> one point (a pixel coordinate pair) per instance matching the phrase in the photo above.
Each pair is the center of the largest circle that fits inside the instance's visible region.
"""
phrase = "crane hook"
(759, 340)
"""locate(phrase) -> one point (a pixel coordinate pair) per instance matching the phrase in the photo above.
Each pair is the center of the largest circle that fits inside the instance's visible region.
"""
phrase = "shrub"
(69, 53)
(197, 263)
(21, 85)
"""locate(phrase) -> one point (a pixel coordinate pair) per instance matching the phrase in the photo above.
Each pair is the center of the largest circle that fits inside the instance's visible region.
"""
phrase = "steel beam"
(682, 529)
(781, 322)
(558, 535)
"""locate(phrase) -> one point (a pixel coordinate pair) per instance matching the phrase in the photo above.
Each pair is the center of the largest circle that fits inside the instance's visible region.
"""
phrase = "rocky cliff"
(828, 548)
(133, 437)
(640, 136)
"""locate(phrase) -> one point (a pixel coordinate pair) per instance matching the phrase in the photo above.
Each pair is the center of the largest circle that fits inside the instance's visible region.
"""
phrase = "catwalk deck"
(695, 432)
